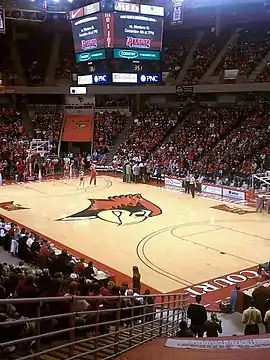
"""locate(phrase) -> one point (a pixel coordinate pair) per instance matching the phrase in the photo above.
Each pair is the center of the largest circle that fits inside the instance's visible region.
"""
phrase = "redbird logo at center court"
(138, 42)
(89, 44)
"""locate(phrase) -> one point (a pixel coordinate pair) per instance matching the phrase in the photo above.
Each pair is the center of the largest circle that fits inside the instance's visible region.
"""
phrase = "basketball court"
(176, 241)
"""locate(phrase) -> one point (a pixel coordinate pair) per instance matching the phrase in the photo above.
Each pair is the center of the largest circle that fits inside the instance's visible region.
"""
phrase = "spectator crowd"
(45, 271)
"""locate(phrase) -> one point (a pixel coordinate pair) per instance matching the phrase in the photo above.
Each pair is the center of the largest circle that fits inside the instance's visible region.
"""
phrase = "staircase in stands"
(126, 327)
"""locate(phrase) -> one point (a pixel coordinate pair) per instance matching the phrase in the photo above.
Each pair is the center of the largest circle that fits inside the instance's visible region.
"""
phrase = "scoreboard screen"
(88, 33)
(137, 32)
(117, 30)
(118, 66)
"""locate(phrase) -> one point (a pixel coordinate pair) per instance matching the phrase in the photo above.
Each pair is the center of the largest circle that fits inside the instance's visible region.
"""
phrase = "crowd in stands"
(45, 271)
(225, 144)
(201, 130)
(148, 131)
(107, 128)
(13, 142)
(211, 141)
(206, 51)
(244, 142)
(175, 52)
(247, 51)
(47, 123)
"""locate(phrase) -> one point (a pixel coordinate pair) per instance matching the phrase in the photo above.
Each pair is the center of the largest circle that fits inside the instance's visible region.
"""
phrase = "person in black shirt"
(213, 326)
(183, 330)
(198, 316)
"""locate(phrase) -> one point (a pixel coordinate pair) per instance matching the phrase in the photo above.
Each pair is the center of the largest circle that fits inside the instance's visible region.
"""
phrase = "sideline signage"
(260, 342)
(211, 189)
(234, 194)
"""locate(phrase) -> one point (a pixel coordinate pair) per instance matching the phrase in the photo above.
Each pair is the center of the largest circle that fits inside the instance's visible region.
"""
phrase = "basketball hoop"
(37, 146)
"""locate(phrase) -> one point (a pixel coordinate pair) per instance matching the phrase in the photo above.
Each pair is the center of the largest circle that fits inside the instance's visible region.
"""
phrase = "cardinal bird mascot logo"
(119, 209)
(10, 206)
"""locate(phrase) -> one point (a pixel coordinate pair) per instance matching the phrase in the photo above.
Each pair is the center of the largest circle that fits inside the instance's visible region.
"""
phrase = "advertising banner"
(149, 78)
(136, 78)
(126, 7)
(93, 79)
(226, 344)
(210, 189)
(124, 78)
(177, 12)
(78, 128)
(91, 56)
(234, 194)
(83, 11)
(2, 21)
(136, 54)
(173, 183)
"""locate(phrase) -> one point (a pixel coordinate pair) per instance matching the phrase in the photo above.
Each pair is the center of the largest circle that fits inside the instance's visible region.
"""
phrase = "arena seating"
(176, 51)
(207, 50)
(246, 53)
(197, 136)
(47, 122)
(66, 63)
(264, 76)
(108, 126)
(13, 141)
(243, 143)
(148, 131)
(47, 272)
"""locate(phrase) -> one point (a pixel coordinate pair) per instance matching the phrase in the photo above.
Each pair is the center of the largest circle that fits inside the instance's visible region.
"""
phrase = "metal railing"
(110, 326)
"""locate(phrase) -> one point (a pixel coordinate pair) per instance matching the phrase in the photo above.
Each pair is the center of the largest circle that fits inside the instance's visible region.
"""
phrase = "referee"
(192, 184)
(187, 187)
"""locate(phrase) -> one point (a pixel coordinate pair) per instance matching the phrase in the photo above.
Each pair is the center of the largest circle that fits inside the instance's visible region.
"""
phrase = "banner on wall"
(78, 128)
(2, 21)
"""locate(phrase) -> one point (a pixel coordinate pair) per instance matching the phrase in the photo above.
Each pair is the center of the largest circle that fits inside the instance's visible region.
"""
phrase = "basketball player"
(93, 174)
(71, 169)
(81, 176)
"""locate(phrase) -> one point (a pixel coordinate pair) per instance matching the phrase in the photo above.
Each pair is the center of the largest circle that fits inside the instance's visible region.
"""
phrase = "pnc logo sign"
(149, 78)
(102, 78)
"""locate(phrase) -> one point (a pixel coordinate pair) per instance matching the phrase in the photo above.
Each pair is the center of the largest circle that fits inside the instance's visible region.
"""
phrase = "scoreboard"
(110, 46)
(109, 30)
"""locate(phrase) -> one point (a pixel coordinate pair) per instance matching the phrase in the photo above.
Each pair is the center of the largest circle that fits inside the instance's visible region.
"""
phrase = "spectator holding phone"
(213, 326)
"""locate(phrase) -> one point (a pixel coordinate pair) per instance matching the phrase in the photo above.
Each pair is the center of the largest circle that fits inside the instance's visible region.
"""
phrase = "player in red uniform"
(81, 176)
(93, 174)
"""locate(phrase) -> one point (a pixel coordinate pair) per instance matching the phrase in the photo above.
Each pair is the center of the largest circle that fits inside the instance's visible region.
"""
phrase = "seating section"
(148, 131)
(47, 122)
(13, 142)
(246, 53)
(245, 142)
(45, 271)
(176, 50)
(264, 76)
(66, 62)
(207, 50)
(108, 126)
(198, 134)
